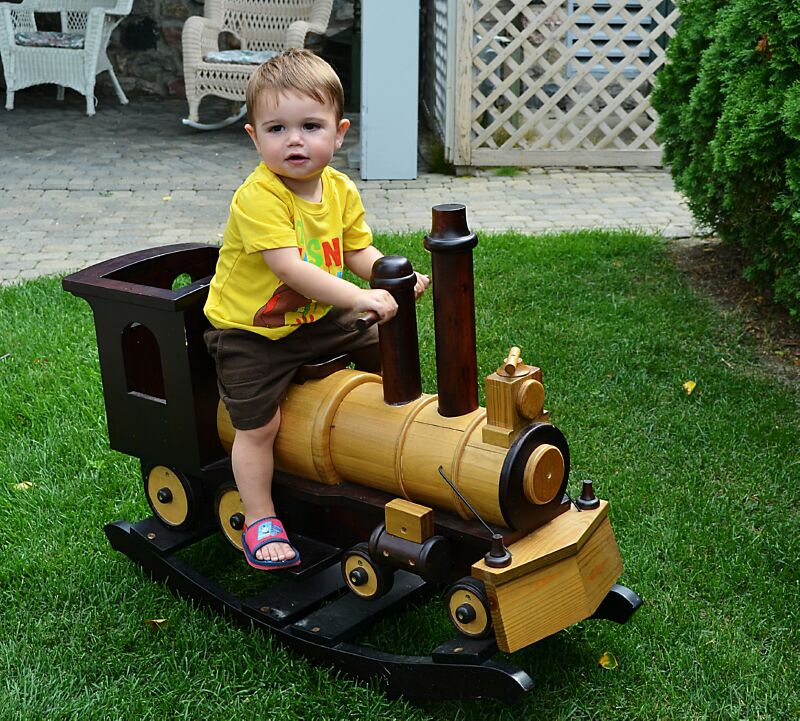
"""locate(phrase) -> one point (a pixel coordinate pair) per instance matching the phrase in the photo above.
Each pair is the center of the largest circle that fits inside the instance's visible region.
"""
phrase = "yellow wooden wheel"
(229, 511)
(171, 496)
(363, 577)
(468, 608)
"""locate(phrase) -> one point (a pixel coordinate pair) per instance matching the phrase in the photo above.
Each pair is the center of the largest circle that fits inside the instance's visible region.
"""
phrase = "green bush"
(729, 105)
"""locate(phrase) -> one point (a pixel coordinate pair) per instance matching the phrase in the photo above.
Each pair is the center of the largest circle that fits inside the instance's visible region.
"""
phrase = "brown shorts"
(254, 372)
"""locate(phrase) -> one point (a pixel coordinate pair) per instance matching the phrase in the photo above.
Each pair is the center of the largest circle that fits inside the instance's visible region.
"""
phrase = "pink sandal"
(262, 533)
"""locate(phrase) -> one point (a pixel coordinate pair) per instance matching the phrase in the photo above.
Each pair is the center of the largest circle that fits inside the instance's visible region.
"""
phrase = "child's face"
(296, 137)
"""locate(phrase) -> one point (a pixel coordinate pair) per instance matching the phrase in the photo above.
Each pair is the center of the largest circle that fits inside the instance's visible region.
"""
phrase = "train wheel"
(229, 511)
(468, 608)
(171, 496)
(364, 577)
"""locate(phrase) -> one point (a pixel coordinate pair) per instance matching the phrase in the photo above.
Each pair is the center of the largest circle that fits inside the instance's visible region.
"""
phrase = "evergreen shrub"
(729, 105)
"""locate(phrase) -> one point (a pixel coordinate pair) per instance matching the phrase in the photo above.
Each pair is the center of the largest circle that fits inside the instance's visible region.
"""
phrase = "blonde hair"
(300, 71)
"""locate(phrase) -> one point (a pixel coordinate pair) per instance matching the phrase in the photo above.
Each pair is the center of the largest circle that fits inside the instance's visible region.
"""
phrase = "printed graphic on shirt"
(326, 254)
(288, 307)
(283, 301)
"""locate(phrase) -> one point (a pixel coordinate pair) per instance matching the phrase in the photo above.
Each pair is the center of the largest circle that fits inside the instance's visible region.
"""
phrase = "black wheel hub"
(465, 613)
(358, 577)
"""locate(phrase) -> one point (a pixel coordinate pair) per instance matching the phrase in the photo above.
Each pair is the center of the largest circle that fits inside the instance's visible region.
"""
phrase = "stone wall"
(146, 48)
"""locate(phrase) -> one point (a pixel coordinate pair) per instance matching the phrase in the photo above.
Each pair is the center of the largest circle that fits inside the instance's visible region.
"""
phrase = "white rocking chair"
(264, 28)
(71, 58)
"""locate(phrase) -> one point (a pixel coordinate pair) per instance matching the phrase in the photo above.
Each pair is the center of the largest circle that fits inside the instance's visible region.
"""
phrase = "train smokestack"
(450, 243)
(402, 382)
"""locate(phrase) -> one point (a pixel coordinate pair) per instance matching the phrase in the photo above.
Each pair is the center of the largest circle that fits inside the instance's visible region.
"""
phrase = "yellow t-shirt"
(265, 214)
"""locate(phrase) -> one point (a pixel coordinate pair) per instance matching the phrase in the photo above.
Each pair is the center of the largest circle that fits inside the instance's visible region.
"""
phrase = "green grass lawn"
(704, 491)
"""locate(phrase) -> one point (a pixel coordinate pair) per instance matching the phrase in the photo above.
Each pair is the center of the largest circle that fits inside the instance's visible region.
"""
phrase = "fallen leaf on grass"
(608, 661)
(689, 386)
(23, 486)
(155, 623)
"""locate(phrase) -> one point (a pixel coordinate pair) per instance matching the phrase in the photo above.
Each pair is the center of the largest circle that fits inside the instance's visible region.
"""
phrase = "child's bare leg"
(252, 461)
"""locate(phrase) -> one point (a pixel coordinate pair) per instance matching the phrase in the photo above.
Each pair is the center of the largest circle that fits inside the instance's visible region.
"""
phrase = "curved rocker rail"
(293, 613)
(230, 120)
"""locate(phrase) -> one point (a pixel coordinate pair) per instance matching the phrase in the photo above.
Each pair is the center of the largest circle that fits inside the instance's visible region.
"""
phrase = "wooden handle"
(366, 320)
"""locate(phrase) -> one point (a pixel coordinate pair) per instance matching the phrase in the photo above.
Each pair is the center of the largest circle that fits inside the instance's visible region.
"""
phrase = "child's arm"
(361, 262)
(313, 282)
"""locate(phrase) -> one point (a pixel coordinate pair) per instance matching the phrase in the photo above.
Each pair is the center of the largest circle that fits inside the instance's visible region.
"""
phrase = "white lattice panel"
(438, 52)
(440, 58)
(562, 81)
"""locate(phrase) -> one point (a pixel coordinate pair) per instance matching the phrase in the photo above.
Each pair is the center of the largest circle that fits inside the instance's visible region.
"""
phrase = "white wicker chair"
(71, 58)
(263, 27)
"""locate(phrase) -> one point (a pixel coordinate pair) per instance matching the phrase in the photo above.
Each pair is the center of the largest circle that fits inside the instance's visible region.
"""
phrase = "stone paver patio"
(75, 190)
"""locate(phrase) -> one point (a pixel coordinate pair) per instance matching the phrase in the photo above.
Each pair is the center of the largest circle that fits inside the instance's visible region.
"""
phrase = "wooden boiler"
(388, 492)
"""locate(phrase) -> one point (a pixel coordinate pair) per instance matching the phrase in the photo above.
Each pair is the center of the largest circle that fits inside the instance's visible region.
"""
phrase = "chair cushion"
(49, 39)
(240, 57)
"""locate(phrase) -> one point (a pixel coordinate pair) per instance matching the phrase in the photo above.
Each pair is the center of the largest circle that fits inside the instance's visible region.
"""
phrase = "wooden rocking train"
(389, 493)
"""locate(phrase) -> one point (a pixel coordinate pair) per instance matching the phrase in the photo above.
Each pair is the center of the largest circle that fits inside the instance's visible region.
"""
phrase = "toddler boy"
(278, 299)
